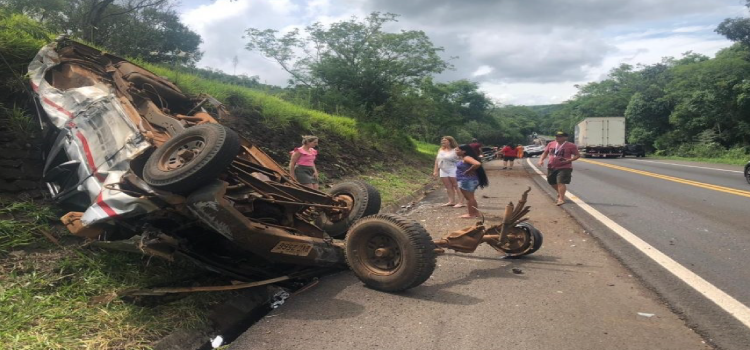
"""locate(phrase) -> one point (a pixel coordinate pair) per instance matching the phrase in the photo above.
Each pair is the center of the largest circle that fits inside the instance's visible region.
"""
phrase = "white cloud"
(520, 52)
(693, 29)
(482, 70)
(529, 93)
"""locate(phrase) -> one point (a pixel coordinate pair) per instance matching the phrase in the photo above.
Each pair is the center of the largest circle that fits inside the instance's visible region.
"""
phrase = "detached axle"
(514, 236)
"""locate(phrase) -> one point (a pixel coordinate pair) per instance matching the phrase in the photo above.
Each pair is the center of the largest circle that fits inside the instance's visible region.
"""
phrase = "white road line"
(708, 290)
(692, 166)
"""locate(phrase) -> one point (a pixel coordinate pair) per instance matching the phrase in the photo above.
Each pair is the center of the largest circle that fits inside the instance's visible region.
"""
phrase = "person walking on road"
(509, 156)
(445, 167)
(302, 166)
(519, 152)
(470, 176)
(562, 154)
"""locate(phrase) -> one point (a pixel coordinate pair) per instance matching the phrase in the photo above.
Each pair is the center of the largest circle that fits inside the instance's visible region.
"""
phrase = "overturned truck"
(140, 164)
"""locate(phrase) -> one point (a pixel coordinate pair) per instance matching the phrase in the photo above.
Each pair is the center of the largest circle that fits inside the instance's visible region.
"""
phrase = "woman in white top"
(445, 166)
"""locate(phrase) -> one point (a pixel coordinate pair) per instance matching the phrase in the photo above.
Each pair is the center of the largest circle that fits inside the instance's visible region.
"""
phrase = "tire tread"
(423, 245)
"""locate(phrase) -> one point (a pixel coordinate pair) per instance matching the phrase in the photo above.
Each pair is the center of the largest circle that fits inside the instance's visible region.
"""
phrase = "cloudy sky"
(523, 52)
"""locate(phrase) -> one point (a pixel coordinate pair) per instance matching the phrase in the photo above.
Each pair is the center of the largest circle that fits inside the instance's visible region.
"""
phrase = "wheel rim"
(518, 241)
(346, 201)
(380, 254)
(181, 154)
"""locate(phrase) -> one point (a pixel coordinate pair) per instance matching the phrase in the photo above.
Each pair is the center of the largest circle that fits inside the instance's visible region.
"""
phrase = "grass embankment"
(274, 111)
(730, 161)
(707, 153)
(59, 297)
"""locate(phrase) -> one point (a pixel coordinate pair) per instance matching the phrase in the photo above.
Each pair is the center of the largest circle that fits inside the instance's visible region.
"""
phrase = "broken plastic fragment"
(644, 314)
(278, 299)
(217, 342)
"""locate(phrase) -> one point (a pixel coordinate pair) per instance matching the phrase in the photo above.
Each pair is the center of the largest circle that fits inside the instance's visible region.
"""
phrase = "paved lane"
(703, 229)
(698, 217)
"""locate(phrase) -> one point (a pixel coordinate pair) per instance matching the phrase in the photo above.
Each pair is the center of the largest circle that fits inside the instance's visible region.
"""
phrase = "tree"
(353, 63)
(149, 29)
(736, 29)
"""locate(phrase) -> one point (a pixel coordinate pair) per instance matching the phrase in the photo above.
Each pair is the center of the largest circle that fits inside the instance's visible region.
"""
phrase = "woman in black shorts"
(509, 156)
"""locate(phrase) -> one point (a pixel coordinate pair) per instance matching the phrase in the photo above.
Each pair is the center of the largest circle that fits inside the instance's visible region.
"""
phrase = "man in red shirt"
(476, 146)
(560, 166)
(509, 156)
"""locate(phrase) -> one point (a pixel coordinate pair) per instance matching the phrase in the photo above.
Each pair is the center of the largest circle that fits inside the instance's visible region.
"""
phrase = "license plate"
(292, 248)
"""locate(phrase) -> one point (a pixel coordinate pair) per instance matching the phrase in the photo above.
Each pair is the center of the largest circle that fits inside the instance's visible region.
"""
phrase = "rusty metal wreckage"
(151, 170)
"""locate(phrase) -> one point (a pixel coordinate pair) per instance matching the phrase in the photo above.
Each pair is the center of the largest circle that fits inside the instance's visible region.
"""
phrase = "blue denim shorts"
(468, 185)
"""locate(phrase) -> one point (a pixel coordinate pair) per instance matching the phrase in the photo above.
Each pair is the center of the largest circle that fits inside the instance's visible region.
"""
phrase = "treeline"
(692, 106)
(357, 69)
(149, 30)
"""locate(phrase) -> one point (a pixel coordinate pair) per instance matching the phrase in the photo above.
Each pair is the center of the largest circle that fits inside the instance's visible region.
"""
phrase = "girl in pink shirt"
(302, 166)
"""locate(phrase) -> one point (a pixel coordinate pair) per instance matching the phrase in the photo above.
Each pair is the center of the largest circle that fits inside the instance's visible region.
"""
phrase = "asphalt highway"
(696, 214)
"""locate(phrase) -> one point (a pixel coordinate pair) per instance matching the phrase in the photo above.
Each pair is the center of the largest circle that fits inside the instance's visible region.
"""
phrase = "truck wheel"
(191, 158)
(390, 253)
(363, 200)
(524, 239)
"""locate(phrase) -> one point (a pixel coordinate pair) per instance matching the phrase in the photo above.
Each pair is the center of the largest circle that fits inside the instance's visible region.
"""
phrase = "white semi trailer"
(601, 137)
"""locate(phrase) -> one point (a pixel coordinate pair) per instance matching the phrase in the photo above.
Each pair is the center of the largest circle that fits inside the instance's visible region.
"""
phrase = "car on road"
(532, 150)
(143, 167)
(633, 150)
(488, 153)
(747, 172)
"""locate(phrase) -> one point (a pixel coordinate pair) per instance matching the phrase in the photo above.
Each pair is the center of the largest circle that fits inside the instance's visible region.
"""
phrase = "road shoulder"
(572, 294)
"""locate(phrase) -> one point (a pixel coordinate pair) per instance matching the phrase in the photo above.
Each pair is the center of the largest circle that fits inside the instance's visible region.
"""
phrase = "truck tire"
(365, 201)
(191, 158)
(390, 253)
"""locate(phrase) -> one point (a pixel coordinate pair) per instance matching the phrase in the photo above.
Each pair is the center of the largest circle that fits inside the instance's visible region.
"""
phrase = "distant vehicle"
(747, 172)
(633, 150)
(601, 137)
(532, 150)
(488, 153)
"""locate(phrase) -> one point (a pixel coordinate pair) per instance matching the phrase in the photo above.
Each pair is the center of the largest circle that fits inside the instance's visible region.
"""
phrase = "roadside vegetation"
(56, 294)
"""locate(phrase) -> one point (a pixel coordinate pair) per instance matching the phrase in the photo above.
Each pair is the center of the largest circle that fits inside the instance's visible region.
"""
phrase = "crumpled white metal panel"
(103, 138)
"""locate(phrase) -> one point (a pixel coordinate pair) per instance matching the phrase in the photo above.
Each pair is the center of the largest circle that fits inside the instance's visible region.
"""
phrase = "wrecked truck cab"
(146, 168)
(136, 160)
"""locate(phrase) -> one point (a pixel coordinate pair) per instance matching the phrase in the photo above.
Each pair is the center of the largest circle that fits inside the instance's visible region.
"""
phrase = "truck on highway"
(601, 137)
